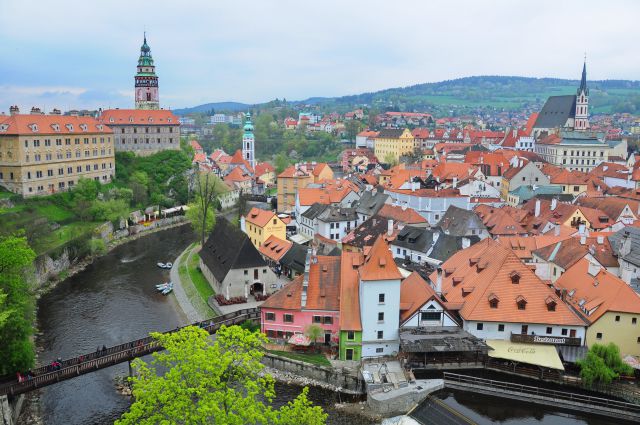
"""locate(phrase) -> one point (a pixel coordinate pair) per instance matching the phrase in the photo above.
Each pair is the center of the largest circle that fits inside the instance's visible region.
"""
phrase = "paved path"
(181, 296)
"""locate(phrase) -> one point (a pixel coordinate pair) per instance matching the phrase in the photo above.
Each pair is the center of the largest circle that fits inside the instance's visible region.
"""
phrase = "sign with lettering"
(542, 339)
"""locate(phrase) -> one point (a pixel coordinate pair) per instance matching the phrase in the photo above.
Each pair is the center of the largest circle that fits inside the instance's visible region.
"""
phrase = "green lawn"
(54, 212)
(313, 358)
(62, 235)
(199, 281)
(197, 297)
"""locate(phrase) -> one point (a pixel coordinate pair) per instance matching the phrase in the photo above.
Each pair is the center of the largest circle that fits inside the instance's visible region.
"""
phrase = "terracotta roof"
(567, 252)
(379, 264)
(237, 175)
(368, 133)
(448, 170)
(611, 169)
(139, 116)
(401, 214)
(504, 221)
(414, 293)
(323, 292)
(195, 145)
(312, 195)
(200, 158)
(287, 298)
(275, 248)
(50, 124)
(263, 168)
(259, 217)
(523, 246)
(611, 205)
(349, 291)
(570, 177)
(238, 159)
(602, 292)
(489, 269)
(318, 168)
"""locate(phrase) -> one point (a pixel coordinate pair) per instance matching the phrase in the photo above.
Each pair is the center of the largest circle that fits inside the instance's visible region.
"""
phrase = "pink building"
(289, 311)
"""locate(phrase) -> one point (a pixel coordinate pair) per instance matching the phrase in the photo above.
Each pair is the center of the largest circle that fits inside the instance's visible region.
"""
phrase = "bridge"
(90, 362)
(544, 396)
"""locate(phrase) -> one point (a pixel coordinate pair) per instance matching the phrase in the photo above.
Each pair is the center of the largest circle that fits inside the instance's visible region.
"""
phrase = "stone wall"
(402, 400)
(47, 267)
(331, 376)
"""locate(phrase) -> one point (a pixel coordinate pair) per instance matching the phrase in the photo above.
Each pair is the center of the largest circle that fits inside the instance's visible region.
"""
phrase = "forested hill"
(495, 91)
(471, 93)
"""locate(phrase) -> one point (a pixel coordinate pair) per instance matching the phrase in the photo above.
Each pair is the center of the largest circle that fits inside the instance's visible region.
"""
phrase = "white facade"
(431, 308)
(335, 230)
(431, 208)
(503, 330)
(380, 337)
(479, 189)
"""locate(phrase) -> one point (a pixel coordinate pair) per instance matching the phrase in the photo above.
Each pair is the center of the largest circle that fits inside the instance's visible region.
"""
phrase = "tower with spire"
(146, 80)
(582, 102)
(248, 142)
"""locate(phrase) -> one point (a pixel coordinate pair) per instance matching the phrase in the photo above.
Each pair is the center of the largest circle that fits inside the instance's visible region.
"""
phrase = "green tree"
(207, 187)
(281, 162)
(17, 305)
(602, 364)
(313, 332)
(84, 193)
(199, 381)
(97, 246)
(201, 224)
(390, 159)
(112, 210)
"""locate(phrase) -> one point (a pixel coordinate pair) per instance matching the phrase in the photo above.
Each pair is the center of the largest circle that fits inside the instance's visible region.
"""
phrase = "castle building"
(147, 129)
(146, 80)
(44, 154)
(248, 142)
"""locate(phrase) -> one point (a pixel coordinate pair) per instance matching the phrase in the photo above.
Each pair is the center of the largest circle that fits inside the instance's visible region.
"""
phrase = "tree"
(84, 193)
(207, 187)
(201, 224)
(197, 381)
(602, 364)
(390, 159)
(17, 305)
(313, 332)
(281, 162)
(112, 210)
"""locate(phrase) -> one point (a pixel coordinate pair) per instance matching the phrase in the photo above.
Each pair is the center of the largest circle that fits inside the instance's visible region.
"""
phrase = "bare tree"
(206, 188)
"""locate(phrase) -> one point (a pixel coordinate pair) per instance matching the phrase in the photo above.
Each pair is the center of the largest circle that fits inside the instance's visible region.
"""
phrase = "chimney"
(305, 281)
(520, 164)
(389, 227)
(466, 243)
(455, 182)
(14, 110)
(537, 210)
(35, 111)
(583, 239)
(563, 294)
(554, 204)
(56, 112)
(439, 282)
(605, 167)
(600, 240)
(556, 230)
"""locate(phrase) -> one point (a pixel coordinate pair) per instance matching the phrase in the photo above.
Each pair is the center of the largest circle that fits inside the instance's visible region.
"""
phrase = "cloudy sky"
(82, 54)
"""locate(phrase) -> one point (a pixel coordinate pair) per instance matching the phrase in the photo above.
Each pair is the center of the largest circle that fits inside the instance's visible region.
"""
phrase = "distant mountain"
(472, 93)
(216, 106)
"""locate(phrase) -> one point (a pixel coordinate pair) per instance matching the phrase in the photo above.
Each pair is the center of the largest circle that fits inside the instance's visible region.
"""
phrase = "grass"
(197, 300)
(313, 358)
(54, 212)
(199, 281)
(62, 235)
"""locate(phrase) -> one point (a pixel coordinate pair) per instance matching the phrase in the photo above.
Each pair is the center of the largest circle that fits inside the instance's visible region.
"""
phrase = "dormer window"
(515, 277)
(449, 271)
(150, 119)
(33, 127)
(481, 266)
(69, 127)
(99, 127)
(522, 302)
(4, 127)
(473, 261)
(493, 301)
(111, 119)
(130, 119)
(169, 120)
(83, 127)
(551, 303)
(55, 127)
(456, 280)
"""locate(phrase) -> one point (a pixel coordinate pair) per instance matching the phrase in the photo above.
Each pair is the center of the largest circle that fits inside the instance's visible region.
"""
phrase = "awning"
(299, 339)
(299, 239)
(535, 354)
(572, 353)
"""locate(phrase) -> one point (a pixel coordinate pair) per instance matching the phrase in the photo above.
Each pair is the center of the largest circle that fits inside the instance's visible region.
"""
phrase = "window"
(270, 317)
(599, 335)
(246, 272)
(430, 316)
(633, 320)
(317, 319)
(379, 350)
(381, 316)
(617, 318)
(524, 329)
(549, 330)
(288, 318)
(501, 328)
(328, 320)
(351, 335)
(564, 331)
(380, 334)
(479, 326)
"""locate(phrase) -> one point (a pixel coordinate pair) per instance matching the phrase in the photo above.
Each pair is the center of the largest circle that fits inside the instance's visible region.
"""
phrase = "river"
(113, 300)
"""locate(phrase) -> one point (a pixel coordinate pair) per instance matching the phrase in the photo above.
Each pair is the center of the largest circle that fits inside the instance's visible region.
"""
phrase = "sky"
(82, 54)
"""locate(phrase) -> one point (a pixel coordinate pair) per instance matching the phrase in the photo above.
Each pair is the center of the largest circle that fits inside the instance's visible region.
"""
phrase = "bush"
(603, 364)
(97, 247)
(233, 300)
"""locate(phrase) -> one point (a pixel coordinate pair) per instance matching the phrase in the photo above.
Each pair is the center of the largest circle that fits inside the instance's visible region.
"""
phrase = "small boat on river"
(161, 265)
(168, 289)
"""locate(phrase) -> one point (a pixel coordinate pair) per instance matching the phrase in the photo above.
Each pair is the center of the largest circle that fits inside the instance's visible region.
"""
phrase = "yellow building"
(391, 144)
(44, 154)
(265, 172)
(296, 177)
(259, 225)
(609, 306)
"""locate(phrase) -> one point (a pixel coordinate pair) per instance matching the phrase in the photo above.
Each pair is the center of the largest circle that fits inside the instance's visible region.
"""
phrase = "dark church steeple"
(582, 102)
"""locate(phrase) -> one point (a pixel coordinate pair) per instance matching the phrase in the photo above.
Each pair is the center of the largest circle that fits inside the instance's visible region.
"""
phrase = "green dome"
(145, 58)
(248, 125)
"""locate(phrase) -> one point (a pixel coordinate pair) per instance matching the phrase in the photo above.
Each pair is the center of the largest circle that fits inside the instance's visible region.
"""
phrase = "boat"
(168, 289)
(162, 265)
(161, 287)
(168, 265)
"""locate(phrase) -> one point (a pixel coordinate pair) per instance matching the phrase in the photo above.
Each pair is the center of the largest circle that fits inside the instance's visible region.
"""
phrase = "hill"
(216, 106)
(473, 93)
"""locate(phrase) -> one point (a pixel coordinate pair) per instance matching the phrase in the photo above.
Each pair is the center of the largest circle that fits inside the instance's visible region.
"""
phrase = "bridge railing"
(501, 386)
(113, 355)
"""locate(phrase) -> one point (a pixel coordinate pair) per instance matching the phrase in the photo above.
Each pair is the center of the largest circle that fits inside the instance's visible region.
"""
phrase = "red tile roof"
(238, 159)
(50, 124)
(138, 117)
(237, 175)
(349, 291)
(263, 168)
(287, 298)
(379, 264)
(414, 293)
(275, 248)
(260, 217)
(401, 214)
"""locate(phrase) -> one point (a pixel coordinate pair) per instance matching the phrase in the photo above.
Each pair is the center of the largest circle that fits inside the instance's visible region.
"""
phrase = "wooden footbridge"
(101, 359)
(544, 396)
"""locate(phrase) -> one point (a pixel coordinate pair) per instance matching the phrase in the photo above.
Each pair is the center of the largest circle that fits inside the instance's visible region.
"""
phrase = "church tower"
(146, 80)
(582, 102)
(248, 142)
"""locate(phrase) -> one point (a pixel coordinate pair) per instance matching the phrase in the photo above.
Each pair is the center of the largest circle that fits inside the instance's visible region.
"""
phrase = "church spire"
(583, 81)
(146, 80)
(581, 121)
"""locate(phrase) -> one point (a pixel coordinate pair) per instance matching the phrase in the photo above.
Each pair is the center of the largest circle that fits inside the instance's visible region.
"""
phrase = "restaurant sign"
(541, 339)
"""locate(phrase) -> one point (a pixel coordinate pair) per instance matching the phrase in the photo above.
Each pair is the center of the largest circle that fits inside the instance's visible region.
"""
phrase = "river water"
(114, 300)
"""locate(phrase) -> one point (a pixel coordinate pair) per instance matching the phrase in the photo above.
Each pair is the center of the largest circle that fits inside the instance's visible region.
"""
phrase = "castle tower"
(146, 80)
(248, 142)
(582, 102)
